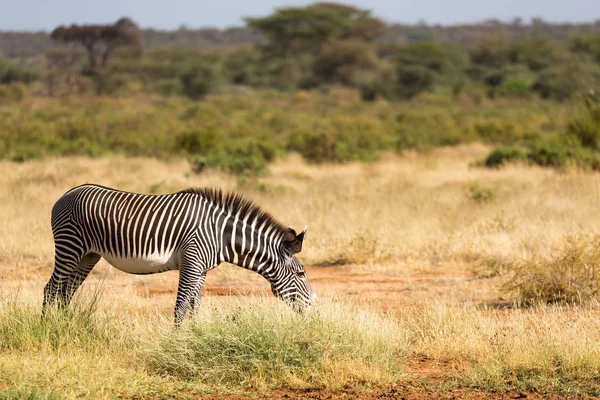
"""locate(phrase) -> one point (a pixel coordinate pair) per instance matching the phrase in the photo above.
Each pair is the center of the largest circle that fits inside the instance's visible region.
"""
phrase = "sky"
(34, 15)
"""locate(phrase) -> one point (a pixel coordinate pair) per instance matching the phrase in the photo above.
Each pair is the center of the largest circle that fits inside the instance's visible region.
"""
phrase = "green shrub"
(492, 52)
(241, 156)
(376, 83)
(557, 83)
(502, 155)
(586, 128)
(560, 152)
(413, 79)
(167, 87)
(199, 142)
(515, 87)
(241, 65)
(24, 153)
(199, 80)
(286, 73)
(588, 44)
(495, 131)
(536, 53)
(554, 152)
(572, 276)
(340, 140)
(340, 61)
(428, 55)
(10, 73)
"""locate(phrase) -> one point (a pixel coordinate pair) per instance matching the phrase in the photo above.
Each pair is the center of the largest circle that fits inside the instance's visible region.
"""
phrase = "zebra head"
(289, 281)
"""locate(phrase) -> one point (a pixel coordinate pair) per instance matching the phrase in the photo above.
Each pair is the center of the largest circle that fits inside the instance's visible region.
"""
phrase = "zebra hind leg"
(55, 289)
(77, 277)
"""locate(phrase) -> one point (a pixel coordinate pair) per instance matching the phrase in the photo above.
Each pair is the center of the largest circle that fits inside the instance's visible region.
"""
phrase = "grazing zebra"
(193, 231)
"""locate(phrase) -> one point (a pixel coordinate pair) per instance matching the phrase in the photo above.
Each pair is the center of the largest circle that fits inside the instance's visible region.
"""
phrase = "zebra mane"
(235, 202)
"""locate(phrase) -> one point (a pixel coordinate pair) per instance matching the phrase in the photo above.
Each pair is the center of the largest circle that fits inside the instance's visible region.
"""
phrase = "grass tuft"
(264, 344)
(23, 327)
(572, 276)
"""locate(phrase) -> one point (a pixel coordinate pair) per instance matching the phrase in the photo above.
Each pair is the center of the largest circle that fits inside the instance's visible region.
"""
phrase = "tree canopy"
(308, 29)
(101, 40)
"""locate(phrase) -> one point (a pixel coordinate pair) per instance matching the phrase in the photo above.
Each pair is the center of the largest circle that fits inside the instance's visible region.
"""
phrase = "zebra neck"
(252, 247)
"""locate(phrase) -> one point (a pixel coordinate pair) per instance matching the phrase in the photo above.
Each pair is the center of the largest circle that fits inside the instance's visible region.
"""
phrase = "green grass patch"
(79, 326)
(261, 343)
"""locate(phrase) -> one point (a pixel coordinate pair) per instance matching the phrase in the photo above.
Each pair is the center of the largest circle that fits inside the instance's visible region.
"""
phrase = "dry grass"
(426, 237)
(572, 276)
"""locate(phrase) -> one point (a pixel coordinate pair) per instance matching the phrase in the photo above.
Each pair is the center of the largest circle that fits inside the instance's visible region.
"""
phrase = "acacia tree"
(307, 29)
(101, 40)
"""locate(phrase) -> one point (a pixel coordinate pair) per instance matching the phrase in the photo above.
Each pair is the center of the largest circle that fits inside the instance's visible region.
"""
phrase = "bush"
(258, 343)
(572, 276)
(420, 65)
(502, 155)
(199, 80)
(555, 152)
(108, 82)
(340, 140)
(286, 73)
(248, 157)
(240, 66)
(413, 79)
(427, 55)
(493, 52)
(167, 87)
(10, 73)
(557, 83)
(586, 128)
(536, 53)
(560, 152)
(495, 131)
(588, 44)
(515, 87)
(376, 83)
(341, 61)
(199, 142)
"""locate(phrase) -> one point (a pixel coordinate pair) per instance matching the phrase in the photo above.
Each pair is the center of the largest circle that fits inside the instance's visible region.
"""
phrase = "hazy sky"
(46, 14)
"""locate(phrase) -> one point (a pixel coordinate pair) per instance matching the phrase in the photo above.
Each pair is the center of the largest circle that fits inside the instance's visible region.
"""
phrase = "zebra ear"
(295, 245)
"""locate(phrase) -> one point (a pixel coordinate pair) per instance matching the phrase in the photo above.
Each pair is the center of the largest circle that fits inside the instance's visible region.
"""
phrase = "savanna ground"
(408, 256)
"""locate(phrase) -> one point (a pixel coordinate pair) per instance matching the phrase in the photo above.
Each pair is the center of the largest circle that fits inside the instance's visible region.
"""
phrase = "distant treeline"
(23, 45)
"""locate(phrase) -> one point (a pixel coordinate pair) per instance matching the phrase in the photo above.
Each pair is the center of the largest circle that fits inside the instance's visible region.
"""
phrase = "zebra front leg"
(190, 275)
(197, 296)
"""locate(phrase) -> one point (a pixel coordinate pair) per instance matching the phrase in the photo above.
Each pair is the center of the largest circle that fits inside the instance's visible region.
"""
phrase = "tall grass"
(258, 343)
(79, 326)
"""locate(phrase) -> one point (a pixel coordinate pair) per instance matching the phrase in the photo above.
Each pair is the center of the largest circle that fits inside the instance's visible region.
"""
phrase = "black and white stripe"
(193, 231)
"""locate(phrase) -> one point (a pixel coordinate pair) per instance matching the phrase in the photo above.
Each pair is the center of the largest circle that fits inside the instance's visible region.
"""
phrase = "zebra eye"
(301, 274)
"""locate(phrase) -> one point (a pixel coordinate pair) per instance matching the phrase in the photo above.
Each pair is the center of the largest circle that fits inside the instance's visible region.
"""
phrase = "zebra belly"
(149, 264)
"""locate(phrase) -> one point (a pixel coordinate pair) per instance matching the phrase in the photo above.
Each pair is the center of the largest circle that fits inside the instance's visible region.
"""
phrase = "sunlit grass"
(260, 343)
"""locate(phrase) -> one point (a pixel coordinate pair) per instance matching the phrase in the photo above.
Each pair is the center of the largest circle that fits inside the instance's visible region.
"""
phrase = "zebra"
(193, 231)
